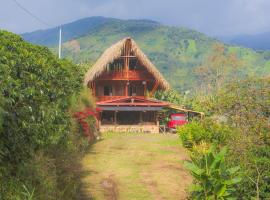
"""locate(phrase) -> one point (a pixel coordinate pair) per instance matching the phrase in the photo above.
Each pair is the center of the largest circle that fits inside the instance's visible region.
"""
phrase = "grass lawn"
(136, 166)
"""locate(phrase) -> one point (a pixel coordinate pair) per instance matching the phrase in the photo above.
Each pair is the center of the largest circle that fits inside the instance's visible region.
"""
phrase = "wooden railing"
(106, 98)
(125, 75)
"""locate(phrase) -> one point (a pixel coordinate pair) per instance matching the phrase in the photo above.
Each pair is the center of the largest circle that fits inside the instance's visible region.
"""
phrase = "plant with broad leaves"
(213, 178)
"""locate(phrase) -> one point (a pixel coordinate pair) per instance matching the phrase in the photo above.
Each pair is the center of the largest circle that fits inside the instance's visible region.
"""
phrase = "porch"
(129, 121)
(130, 128)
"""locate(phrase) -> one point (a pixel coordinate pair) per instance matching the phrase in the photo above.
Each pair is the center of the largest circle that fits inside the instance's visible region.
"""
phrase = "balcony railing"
(106, 98)
(125, 75)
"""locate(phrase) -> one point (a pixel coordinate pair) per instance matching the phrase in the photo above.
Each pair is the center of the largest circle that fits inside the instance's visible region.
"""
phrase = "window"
(178, 118)
(107, 90)
(132, 91)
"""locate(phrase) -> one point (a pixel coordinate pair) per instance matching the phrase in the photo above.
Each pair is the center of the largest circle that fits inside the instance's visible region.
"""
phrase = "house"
(123, 81)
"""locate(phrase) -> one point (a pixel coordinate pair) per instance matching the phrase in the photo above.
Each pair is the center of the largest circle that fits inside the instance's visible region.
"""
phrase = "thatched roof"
(113, 53)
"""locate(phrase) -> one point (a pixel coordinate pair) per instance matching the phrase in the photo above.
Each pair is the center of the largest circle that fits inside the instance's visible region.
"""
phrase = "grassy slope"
(175, 51)
(136, 166)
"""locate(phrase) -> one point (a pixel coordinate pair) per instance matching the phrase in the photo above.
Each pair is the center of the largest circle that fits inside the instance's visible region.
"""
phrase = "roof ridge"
(114, 52)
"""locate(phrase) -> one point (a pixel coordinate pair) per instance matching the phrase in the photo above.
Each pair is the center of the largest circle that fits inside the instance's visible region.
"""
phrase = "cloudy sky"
(213, 17)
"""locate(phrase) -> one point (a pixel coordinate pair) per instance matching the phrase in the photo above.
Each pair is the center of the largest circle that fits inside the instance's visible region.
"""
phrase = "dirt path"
(136, 166)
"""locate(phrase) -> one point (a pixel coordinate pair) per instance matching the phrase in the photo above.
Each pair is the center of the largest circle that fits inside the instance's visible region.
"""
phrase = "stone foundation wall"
(130, 128)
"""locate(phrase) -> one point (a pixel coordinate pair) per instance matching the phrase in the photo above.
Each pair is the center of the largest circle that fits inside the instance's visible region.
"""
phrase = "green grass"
(141, 166)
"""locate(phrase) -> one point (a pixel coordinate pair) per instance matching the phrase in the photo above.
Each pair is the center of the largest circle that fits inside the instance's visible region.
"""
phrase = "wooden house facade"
(123, 81)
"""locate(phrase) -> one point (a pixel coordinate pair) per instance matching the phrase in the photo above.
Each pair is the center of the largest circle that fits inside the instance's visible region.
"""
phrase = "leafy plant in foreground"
(213, 178)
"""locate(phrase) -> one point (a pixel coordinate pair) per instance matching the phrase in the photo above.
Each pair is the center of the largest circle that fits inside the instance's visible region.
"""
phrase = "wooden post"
(141, 120)
(94, 89)
(126, 58)
(99, 118)
(115, 117)
(144, 88)
(126, 88)
(154, 89)
(156, 117)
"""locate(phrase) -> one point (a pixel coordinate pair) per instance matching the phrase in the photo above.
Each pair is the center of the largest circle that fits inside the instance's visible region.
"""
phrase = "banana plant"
(213, 179)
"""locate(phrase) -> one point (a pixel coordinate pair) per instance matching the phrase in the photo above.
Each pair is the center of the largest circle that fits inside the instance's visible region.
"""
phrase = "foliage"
(244, 105)
(82, 100)
(250, 114)
(213, 178)
(220, 67)
(206, 130)
(36, 140)
(171, 96)
(29, 195)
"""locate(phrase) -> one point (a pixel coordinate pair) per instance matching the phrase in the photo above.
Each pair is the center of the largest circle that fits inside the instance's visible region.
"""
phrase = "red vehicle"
(177, 119)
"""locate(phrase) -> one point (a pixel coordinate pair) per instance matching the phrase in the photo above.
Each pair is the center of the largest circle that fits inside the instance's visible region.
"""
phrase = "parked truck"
(176, 119)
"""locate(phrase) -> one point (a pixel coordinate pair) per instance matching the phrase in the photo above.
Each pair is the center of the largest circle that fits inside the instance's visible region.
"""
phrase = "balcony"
(126, 75)
(106, 98)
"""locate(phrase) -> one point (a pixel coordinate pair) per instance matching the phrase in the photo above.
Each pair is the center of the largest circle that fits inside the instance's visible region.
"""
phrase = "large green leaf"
(193, 168)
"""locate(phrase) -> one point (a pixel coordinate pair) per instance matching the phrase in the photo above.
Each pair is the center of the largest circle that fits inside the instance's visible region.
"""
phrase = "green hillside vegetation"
(175, 51)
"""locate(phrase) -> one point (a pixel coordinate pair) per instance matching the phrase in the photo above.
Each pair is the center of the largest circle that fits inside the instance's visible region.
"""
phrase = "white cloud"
(215, 17)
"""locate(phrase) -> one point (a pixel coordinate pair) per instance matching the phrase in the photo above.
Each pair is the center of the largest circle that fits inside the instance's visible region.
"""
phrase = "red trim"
(134, 104)
(143, 102)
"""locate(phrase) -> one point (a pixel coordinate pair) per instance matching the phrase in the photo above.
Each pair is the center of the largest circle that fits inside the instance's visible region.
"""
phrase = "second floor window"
(107, 90)
(132, 91)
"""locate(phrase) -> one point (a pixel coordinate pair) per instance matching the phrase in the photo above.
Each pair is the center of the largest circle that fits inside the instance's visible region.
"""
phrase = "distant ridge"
(260, 41)
(75, 29)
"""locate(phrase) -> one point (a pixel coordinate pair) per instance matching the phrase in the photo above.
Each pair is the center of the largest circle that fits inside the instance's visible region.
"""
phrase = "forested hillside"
(175, 51)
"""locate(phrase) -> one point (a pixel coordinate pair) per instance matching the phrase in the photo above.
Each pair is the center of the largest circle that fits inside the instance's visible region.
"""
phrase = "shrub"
(205, 130)
(192, 133)
(213, 178)
(36, 143)
(245, 131)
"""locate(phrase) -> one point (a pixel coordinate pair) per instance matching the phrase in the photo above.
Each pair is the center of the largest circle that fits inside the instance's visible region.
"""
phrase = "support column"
(156, 118)
(99, 118)
(141, 120)
(115, 117)
(144, 88)
(154, 89)
(126, 88)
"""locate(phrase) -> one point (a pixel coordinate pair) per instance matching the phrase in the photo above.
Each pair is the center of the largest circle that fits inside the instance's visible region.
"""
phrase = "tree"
(217, 69)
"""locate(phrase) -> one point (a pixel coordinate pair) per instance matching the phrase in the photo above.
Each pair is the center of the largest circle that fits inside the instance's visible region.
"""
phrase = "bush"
(205, 130)
(37, 143)
(212, 176)
(245, 130)
(192, 134)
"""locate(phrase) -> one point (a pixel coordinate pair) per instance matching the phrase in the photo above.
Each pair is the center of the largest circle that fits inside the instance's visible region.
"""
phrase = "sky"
(213, 17)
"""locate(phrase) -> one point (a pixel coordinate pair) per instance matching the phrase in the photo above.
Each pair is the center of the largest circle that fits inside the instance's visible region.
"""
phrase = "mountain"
(72, 30)
(175, 51)
(259, 41)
